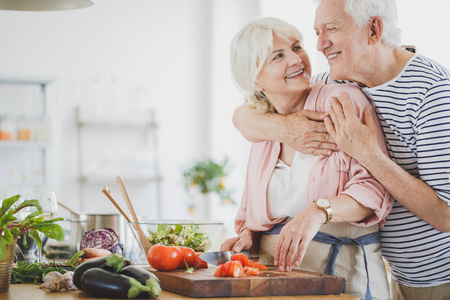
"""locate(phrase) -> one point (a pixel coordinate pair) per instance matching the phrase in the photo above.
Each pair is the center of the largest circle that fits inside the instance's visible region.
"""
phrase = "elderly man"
(411, 96)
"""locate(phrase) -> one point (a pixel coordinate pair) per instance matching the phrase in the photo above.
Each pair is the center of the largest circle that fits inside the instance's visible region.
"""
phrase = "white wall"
(101, 56)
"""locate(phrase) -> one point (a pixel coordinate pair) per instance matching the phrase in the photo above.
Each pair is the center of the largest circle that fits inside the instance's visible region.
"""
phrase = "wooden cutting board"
(202, 283)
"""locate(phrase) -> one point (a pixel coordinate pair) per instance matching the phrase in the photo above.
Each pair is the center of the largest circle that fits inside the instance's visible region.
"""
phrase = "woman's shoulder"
(354, 93)
(319, 98)
(336, 88)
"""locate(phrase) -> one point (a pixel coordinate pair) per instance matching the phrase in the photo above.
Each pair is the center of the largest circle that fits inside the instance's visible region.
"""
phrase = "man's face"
(343, 43)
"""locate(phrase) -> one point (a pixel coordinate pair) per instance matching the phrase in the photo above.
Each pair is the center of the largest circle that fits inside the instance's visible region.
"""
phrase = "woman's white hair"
(249, 51)
(362, 11)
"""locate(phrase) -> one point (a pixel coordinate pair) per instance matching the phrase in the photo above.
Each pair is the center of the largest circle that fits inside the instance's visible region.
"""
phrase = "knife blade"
(218, 258)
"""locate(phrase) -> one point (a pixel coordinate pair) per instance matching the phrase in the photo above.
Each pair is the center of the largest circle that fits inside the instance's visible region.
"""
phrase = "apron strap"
(337, 243)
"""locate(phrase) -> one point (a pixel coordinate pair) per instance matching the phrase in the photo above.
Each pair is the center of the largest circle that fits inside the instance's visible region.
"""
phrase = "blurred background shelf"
(114, 142)
(119, 124)
(27, 136)
(18, 145)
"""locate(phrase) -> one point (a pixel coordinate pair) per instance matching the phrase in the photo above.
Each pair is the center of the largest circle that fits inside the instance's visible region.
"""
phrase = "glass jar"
(42, 130)
(24, 128)
(7, 128)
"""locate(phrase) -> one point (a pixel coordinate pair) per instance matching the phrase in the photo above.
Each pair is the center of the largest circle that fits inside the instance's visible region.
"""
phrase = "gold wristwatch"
(325, 204)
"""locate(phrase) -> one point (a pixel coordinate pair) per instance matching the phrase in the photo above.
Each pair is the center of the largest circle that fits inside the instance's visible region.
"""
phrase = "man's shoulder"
(424, 66)
(326, 78)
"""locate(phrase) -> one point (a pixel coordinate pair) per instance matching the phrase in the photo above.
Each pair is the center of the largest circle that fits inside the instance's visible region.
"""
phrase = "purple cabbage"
(103, 238)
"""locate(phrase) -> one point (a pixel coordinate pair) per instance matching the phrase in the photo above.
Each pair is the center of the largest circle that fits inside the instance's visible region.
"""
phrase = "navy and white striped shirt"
(414, 111)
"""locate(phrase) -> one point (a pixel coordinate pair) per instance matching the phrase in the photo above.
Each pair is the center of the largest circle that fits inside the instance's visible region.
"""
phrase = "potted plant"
(207, 176)
(11, 228)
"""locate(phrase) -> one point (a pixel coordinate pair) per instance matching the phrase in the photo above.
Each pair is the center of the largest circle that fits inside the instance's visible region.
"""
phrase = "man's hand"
(355, 138)
(360, 142)
(304, 131)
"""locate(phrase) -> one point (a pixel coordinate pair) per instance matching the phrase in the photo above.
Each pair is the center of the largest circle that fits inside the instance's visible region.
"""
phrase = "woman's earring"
(262, 94)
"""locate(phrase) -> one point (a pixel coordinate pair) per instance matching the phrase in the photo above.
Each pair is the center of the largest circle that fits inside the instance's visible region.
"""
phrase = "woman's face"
(285, 76)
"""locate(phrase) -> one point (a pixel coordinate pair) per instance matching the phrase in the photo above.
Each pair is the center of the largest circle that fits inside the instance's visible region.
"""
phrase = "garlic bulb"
(53, 282)
(68, 279)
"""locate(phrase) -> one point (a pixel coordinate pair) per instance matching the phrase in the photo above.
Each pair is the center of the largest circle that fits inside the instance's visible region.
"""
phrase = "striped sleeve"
(433, 139)
(326, 78)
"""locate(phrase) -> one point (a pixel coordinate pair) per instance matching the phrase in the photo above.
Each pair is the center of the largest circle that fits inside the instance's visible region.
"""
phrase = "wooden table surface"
(32, 291)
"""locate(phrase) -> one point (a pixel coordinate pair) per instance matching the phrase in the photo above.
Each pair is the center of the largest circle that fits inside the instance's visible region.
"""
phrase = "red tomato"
(220, 271)
(235, 269)
(231, 268)
(247, 262)
(188, 256)
(242, 258)
(252, 271)
(257, 265)
(200, 263)
(164, 258)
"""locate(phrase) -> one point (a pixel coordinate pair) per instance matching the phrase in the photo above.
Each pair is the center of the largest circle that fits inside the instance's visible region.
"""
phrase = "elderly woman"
(317, 213)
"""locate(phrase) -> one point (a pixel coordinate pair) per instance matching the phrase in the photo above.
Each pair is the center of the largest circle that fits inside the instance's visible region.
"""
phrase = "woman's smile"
(294, 75)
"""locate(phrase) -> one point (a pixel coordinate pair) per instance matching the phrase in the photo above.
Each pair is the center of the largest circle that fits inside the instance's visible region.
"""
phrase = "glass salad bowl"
(198, 235)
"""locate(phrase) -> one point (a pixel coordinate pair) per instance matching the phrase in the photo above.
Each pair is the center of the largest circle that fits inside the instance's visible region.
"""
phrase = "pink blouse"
(329, 176)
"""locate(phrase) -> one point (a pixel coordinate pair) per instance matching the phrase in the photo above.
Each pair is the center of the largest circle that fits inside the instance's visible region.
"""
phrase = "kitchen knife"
(218, 258)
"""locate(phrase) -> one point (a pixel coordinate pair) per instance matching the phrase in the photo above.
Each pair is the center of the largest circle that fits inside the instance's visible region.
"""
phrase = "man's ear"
(375, 30)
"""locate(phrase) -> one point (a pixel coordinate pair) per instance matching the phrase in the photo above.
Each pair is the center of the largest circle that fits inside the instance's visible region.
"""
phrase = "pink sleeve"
(362, 186)
(239, 221)
(253, 212)
(367, 191)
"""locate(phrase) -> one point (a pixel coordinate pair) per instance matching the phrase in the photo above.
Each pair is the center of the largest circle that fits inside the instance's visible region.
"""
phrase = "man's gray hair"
(362, 11)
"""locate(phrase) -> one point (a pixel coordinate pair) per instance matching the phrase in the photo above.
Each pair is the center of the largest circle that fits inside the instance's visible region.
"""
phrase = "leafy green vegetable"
(27, 272)
(180, 235)
(10, 228)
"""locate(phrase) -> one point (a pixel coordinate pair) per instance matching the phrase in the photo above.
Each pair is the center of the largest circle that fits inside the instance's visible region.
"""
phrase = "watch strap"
(327, 210)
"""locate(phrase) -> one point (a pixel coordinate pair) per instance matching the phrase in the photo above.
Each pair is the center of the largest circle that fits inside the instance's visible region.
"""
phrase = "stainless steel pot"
(77, 230)
(86, 222)
(113, 221)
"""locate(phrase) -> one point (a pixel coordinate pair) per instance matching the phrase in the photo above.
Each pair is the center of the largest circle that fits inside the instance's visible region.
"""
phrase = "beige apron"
(349, 263)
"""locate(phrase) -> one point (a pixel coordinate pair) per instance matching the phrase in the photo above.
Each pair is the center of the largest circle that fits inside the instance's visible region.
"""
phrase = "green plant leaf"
(15, 231)
(32, 233)
(9, 238)
(7, 218)
(51, 230)
(7, 203)
(53, 220)
(31, 224)
(27, 203)
(32, 215)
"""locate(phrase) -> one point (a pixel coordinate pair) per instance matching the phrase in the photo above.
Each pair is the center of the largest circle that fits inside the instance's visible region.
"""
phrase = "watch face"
(323, 202)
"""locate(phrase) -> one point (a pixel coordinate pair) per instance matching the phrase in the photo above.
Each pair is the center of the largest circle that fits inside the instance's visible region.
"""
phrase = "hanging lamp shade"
(43, 5)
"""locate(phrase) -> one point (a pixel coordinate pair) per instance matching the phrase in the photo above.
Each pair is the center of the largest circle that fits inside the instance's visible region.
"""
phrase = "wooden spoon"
(106, 190)
(67, 208)
(143, 240)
